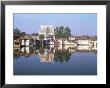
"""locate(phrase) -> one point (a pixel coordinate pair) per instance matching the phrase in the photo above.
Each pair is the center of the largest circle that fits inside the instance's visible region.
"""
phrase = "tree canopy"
(41, 37)
(18, 33)
(16, 30)
(62, 32)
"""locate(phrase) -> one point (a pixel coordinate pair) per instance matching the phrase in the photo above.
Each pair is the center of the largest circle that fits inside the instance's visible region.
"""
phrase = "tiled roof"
(86, 37)
(26, 37)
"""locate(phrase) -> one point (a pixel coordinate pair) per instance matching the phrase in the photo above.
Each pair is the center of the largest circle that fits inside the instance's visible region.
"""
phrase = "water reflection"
(55, 60)
(51, 53)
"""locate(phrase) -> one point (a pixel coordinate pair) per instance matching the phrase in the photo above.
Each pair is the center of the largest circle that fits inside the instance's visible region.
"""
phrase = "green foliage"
(23, 33)
(62, 32)
(62, 56)
(17, 32)
(41, 37)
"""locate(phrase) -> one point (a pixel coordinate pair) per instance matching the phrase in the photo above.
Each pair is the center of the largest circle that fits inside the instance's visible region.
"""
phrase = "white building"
(35, 37)
(26, 40)
(71, 38)
(84, 42)
(47, 30)
(66, 42)
(94, 43)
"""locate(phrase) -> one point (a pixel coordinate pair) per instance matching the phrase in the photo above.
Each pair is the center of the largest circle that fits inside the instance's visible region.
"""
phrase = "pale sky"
(80, 24)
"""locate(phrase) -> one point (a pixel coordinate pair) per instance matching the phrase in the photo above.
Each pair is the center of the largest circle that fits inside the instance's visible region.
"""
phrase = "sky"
(79, 23)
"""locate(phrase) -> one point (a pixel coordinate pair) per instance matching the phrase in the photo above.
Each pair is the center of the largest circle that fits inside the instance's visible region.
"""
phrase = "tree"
(23, 33)
(62, 32)
(41, 37)
(67, 31)
(16, 32)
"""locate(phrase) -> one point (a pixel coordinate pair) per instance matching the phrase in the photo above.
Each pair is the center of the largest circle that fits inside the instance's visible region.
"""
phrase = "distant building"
(26, 40)
(71, 38)
(16, 44)
(35, 37)
(94, 40)
(83, 42)
(47, 31)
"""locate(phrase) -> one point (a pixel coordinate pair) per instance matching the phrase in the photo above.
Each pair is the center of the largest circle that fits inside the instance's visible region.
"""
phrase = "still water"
(51, 60)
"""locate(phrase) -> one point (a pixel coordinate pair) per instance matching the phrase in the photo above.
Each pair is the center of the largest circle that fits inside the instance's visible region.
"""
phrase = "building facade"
(47, 30)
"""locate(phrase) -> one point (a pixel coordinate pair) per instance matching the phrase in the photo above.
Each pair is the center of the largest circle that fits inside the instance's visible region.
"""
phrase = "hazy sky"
(80, 24)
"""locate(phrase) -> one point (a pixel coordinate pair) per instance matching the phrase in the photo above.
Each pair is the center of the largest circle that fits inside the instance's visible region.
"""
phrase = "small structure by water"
(26, 40)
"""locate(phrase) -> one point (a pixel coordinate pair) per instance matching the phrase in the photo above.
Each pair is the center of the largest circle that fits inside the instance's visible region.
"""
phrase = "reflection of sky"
(84, 63)
(80, 24)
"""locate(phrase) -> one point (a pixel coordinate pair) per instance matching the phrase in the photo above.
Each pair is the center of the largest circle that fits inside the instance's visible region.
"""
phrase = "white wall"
(83, 42)
(27, 42)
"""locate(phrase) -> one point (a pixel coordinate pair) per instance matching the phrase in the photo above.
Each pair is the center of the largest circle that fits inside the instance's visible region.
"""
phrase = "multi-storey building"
(47, 31)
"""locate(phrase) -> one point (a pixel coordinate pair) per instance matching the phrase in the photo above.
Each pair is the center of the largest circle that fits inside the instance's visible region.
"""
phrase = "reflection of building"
(53, 54)
(51, 46)
(68, 46)
(94, 45)
(81, 47)
(71, 50)
(25, 49)
(46, 57)
(16, 44)
(60, 47)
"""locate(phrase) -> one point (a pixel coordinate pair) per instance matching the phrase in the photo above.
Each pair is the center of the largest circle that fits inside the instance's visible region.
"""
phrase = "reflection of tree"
(16, 55)
(41, 51)
(46, 47)
(94, 51)
(62, 56)
(37, 47)
(53, 53)
(41, 37)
